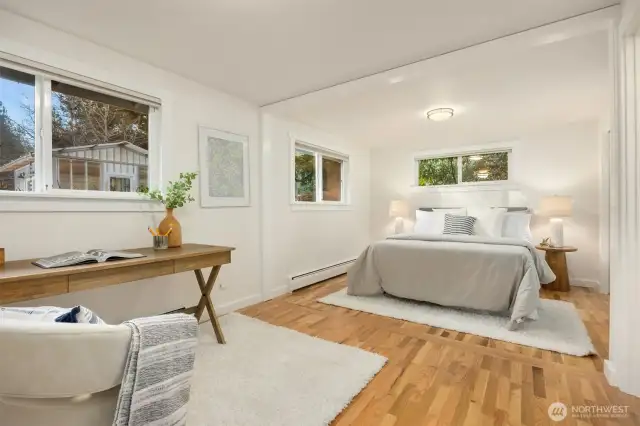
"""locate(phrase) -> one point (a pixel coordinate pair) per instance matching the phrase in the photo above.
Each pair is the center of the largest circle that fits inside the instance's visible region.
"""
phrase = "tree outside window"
(485, 167)
(305, 176)
(467, 168)
(438, 171)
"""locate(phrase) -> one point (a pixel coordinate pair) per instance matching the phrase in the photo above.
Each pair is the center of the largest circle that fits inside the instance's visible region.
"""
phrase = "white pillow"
(432, 223)
(461, 211)
(489, 221)
(516, 225)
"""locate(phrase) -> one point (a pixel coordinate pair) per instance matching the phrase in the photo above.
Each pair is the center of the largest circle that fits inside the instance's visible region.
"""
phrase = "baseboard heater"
(302, 280)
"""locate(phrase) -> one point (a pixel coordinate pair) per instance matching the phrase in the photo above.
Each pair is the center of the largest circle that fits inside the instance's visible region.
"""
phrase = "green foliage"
(496, 164)
(438, 171)
(177, 194)
(444, 171)
(305, 175)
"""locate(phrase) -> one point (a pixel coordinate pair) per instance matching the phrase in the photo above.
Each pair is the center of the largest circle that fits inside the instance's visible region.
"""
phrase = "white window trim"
(46, 198)
(319, 152)
(509, 184)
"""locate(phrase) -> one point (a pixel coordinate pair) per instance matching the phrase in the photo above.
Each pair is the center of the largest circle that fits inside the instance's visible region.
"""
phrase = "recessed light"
(396, 80)
(440, 114)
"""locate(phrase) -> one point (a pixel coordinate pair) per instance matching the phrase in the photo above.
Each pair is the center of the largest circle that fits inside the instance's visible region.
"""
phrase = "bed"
(491, 271)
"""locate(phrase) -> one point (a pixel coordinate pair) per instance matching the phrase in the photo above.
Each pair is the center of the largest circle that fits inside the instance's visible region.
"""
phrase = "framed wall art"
(224, 169)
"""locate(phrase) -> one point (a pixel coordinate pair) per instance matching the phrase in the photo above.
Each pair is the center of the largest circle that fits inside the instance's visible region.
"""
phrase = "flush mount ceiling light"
(440, 114)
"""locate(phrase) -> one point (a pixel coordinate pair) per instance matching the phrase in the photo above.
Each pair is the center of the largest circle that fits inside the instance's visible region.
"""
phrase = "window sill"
(76, 201)
(470, 187)
(320, 206)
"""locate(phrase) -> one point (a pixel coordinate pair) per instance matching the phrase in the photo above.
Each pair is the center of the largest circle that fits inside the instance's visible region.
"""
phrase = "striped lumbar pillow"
(458, 225)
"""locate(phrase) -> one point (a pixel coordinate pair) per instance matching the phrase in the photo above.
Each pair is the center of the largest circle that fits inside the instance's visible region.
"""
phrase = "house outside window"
(64, 136)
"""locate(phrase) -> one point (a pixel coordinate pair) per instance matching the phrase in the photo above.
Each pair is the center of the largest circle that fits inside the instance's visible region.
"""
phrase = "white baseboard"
(621, 379)
(583, 282)
(237, 304)
(276, 292)
(610, 372)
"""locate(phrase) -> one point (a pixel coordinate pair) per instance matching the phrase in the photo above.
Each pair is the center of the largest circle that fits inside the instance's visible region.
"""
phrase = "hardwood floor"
(442, 377)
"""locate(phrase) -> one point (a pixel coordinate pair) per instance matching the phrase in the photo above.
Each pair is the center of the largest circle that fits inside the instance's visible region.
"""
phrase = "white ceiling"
(548, 76)
(269, 50)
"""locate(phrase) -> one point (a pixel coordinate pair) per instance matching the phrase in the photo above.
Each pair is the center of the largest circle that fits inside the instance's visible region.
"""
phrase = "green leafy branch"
(177, 193)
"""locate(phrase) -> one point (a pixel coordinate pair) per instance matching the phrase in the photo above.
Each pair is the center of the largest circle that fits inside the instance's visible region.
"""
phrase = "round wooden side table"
(557, 259)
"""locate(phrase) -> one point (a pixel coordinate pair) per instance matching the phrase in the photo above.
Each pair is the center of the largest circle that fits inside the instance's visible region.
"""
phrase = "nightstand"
(557, 259)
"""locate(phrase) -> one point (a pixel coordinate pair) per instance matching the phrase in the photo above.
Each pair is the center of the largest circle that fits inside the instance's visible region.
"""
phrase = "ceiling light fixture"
(440, 114)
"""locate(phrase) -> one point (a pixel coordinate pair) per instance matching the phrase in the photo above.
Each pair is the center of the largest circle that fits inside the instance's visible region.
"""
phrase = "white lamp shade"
(398, 208)
(556, 206)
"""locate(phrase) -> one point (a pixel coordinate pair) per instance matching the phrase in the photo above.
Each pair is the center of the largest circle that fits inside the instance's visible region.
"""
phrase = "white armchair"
(57, 374)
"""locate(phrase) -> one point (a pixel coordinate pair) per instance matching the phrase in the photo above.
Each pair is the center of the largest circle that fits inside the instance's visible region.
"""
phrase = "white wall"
(297, 241)
(563, 160)
(185, 105)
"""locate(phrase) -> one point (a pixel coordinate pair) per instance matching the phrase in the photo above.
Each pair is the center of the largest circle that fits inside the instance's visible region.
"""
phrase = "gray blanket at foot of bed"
(489, 274)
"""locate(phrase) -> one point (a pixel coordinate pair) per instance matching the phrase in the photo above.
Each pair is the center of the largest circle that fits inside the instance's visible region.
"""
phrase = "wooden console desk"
(21, 280)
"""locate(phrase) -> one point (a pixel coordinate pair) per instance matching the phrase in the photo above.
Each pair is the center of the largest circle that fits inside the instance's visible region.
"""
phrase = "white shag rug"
(559, 327)
(268, 375)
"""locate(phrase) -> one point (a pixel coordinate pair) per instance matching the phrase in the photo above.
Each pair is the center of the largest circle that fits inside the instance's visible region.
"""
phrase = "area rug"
(269, 375)
(558, 329)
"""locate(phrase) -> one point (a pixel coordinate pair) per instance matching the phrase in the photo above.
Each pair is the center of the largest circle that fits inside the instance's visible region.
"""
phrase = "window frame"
(476, 150)
(319, 153)
(43, 158)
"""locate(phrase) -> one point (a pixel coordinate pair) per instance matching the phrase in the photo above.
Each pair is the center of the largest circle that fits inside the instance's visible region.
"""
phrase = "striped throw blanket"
(156, 383)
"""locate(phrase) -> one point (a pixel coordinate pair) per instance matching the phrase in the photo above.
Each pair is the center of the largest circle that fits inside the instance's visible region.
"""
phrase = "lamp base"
(399, 225)
(557, 233)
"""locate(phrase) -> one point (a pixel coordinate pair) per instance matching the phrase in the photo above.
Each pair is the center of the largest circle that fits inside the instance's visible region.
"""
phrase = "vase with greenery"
(176, 195)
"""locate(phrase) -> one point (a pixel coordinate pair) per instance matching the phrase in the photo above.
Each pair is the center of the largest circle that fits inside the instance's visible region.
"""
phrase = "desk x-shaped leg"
(205, 300)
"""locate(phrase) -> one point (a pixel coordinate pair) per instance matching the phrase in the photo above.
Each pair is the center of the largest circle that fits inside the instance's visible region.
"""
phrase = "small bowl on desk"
(160, 242)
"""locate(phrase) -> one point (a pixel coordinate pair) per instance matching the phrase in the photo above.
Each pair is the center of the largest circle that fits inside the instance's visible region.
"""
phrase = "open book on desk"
(79, 258)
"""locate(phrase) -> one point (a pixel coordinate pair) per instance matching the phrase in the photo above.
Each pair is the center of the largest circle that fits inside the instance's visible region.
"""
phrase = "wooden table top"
(564, 249)
(18, 270)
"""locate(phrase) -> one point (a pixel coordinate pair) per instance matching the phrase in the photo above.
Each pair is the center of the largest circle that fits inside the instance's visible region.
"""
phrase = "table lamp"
(556, 207)
(399, 210)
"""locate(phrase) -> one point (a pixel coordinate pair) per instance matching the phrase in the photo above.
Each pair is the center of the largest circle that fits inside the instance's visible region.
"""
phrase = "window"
(305, 179)
(466, 168)
(61, 135)
(17, 130)
(489, 167)
(319, 175)
(331, 179)
(438, 171)
(120, 184)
